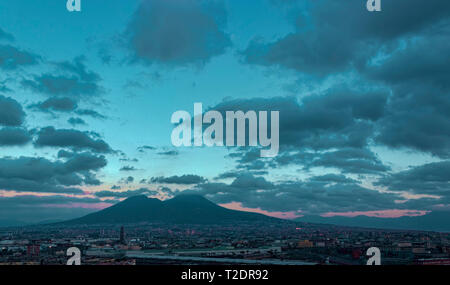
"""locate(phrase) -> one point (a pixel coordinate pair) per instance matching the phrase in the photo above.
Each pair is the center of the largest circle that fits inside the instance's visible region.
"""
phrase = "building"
(122, 235)
(33, 250)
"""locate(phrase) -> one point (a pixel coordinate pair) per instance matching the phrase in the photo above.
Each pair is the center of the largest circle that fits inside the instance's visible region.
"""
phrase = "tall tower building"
(122, 235)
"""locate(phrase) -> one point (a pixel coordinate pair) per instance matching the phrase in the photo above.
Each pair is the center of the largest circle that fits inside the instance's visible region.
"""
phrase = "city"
(185, 139)
(260, 243)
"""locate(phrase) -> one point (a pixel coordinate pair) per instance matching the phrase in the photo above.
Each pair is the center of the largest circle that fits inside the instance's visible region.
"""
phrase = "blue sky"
(364, 124)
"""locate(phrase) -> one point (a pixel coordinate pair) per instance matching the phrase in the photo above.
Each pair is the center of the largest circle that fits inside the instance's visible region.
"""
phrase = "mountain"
(434, 221)
(11, 223)
(183, 209)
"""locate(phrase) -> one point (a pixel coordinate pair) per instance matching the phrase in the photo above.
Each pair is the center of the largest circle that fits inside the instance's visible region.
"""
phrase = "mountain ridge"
(182, 209)
(435, 221)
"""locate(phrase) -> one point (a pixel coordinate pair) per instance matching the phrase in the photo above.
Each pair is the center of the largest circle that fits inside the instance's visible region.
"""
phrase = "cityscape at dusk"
(225, 132)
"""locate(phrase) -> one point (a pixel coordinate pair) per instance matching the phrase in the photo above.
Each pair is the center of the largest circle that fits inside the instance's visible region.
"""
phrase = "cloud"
(248, 181)
(11, 58)
(432, 178)
(332, 129)
(65, 154)
(145, 147)
(335, 118)
(333, 178)
(66, 105)
(316, 195)
(91, 113)
(3, 87)
(76, 121)
(128, 168)
(129, 159)
(71, 138)
(409, 59)
(327, 40)
(11, 112)
(193, 35)
(237, 173)
(84, 162)
(421, 60)
(350, 160)
(39, 174)
(419, 110)
(183, 179)
(126, 194)
(6, 36)
(126, 180)
(70, 79)
(14, 136)
(168, 153)
(60, 104)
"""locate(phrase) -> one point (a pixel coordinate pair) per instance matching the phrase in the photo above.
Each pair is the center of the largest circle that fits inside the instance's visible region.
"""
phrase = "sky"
(86, 100)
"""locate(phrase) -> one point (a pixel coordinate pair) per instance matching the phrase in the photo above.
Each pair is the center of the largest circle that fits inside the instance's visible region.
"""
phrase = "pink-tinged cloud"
(379, 214)
(282, 215)
(96, 206)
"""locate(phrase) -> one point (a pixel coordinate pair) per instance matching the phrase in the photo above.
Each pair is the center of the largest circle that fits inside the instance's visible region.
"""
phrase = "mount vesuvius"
(182, 209)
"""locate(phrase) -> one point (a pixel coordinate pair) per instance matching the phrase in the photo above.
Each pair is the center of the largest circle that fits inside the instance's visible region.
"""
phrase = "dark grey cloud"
(85, 161)
(60, 104)
(350, 160)
(11, 112)
(333, 178)
(76, 121)
(25, 185)
(69, 79)
(65, 154)
(90, 113)
(12, 58)
(145, 147)
(338, 118)
(126, 180)
(3, 87)
(183, 179)
(410, 59)
(126, 194)
(129, 159)
(419, 110)
(38, 174)
(422, 129)
(237, 173)
(432, 178)
(327, 40)
(316, 195)
(167, 191)
(422, 60)
(71, 138)
(66, 105)
(168, 153)
(194, 33)
(128, 168)
(14, 136)
(332, 129)
(6, 36)
(248, 181)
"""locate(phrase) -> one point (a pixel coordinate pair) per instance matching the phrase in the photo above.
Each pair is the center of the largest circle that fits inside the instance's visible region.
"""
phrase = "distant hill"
(434, 221)
(11, 223)
(183, 209)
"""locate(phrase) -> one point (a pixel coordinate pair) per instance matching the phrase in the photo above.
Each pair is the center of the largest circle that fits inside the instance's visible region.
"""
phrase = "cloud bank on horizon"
(364, 103)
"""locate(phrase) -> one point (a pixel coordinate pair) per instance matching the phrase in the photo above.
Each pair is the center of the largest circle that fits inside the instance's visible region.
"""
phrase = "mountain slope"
(183, 209)
(434, 221)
